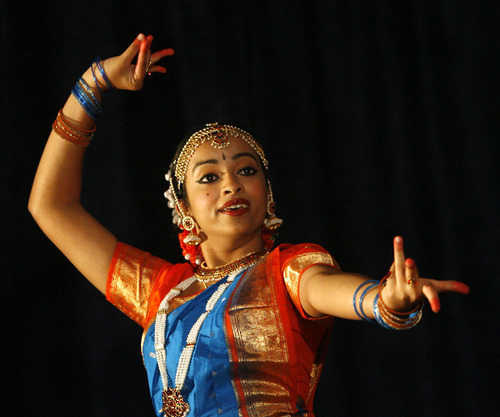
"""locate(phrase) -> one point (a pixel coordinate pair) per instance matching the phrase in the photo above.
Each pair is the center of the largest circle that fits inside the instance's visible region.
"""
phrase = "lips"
(235, 207)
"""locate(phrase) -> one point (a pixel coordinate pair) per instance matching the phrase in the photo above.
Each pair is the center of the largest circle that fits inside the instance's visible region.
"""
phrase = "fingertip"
(398, 240)
(144, 45)
(410, 263)
(137, 41)
(435, 305)
(460, 287)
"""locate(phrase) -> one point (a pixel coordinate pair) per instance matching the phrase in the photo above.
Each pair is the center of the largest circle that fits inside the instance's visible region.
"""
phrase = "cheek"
(202, 204)
(259, 193)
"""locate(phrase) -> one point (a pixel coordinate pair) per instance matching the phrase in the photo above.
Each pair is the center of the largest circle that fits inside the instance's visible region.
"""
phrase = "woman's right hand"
(123, 74)
(55, 197)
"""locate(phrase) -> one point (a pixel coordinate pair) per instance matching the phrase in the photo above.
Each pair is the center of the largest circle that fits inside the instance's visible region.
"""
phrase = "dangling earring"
(189, 224)
(271, 222)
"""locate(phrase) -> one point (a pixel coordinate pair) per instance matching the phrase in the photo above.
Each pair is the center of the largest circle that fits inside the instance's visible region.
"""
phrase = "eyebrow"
(242, 154)
(215, 161)
(207, 161)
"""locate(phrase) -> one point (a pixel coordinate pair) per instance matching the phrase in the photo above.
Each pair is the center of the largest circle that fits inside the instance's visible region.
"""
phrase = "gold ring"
(412, 281)
(148, 67)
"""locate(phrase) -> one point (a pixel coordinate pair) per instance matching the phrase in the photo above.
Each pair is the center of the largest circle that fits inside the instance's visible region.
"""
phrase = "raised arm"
(55, 196)
(325, 291)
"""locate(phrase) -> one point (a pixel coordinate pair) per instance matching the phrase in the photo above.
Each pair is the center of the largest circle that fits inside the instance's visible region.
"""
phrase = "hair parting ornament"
(219, 137)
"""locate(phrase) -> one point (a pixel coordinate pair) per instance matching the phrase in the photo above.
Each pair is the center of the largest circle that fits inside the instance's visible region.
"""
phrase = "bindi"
(223, 156)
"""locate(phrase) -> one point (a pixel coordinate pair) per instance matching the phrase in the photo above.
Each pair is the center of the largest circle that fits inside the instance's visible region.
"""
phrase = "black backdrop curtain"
(379, 119)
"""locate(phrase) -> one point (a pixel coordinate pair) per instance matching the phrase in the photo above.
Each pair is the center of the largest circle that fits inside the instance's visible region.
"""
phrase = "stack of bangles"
(384, 316)
(71, 133)
(89, 102)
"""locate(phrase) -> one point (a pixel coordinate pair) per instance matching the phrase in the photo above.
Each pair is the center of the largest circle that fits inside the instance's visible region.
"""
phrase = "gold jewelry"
(206, 274)
(173, 403)
(148, 67)
(189, 224)
(271, 222)
(411, 281)
(218, 135)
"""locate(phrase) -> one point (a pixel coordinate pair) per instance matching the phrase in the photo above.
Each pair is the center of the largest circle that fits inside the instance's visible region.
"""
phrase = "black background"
(380, 119)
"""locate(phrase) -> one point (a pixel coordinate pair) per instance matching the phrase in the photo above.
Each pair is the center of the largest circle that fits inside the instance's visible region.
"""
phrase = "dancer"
(240, 328)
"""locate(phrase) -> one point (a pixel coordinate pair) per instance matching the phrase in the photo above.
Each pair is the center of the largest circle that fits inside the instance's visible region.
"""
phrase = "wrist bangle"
(75, 135)
(361, 314)
(399, 313)
(392, 320)
(99, 66)
(86, 101)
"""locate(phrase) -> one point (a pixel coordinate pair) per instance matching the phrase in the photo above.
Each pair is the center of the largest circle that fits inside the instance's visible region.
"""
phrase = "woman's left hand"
(405, 288)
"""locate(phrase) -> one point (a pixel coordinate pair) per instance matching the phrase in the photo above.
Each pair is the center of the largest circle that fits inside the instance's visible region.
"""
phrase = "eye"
(207, 178)
(247, 171)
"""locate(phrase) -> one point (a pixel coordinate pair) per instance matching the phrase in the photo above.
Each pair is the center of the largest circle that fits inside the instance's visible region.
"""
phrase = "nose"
(231, 184)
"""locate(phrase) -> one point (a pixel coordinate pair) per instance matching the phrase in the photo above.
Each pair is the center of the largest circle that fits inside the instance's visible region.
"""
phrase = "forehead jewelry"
(218, 136)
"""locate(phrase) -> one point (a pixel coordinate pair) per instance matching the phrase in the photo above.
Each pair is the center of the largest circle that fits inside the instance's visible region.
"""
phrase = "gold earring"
(189, 224)
(271, 222)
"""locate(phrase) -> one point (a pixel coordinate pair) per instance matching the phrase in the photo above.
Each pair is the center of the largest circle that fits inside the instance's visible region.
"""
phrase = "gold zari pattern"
(296, 266)
(262, 360)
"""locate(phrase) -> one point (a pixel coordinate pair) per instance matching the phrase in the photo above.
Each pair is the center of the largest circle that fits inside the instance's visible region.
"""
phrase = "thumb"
(134, 47)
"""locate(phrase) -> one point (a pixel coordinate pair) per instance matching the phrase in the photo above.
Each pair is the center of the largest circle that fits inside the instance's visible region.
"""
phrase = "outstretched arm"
(55, 196)
(325, 291)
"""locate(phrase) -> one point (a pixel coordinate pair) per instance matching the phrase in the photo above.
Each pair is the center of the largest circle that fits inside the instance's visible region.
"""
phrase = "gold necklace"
(206, 274)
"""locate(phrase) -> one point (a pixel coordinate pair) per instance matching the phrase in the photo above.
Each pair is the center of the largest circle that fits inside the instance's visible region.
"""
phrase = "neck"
(217, 254)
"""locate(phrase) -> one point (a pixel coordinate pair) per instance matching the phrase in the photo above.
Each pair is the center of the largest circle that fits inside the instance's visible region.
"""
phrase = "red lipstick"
(235, 207)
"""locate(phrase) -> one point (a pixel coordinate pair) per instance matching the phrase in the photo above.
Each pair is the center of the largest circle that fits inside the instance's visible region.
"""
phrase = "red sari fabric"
(276, 350)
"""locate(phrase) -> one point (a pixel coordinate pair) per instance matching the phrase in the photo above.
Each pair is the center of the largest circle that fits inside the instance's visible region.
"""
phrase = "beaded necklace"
(206, 274)
(173, 404)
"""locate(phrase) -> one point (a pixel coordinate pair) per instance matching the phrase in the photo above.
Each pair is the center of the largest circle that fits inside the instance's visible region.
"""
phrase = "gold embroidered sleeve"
(295, 267)
(130, 280)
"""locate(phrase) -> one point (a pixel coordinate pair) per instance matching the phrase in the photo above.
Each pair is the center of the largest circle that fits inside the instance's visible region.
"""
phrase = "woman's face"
(227, 191)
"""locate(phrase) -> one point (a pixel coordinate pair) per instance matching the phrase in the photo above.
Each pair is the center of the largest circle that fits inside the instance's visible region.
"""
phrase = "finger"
(161, 54)
(432, 295)
(143, 57)
(460, 287)
(447, 286)
(411, 272)
(134, 47)
(156, 57)
(399, 258)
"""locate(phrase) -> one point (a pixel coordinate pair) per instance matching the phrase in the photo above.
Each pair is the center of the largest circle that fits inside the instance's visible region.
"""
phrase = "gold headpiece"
(219, 137)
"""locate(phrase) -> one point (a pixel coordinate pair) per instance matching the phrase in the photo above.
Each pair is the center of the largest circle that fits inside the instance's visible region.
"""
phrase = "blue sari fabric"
(208, 388)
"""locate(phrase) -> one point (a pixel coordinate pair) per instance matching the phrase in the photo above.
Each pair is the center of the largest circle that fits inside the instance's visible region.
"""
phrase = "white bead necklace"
(174, 404)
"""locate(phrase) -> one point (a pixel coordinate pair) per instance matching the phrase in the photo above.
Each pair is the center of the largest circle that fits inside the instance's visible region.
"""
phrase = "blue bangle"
(103, 94)
(366, 318)
(84, 100)
(97, 61)
(362, 317)
(89, 91)
(376, 313)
